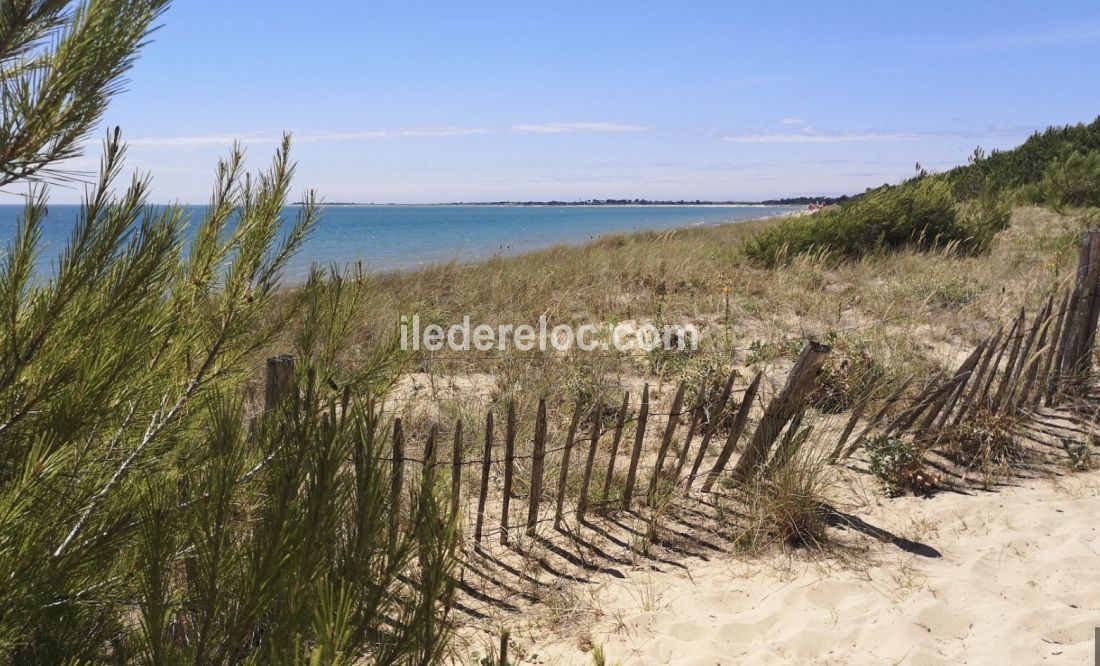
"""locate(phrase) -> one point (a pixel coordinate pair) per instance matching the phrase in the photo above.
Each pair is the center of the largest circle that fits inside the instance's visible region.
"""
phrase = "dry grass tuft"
(787, 505)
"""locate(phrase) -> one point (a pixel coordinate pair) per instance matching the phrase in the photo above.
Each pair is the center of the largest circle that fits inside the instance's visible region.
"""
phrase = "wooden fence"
(1044, 360)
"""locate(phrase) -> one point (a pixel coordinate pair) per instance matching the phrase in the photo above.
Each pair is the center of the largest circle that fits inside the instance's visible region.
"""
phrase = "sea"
(405, 237)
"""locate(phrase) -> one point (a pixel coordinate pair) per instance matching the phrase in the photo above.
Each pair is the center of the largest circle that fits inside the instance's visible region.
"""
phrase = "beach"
(1009, 577)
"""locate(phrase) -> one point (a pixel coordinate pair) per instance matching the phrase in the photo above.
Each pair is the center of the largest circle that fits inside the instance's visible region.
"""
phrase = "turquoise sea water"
(403, 237)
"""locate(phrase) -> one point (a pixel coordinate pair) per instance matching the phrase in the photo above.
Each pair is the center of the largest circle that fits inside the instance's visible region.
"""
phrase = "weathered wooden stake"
(800, 382)
(616, 438)
(635, 454)
(397, 480)
(978, 379)
(739, 421)
(670, 431)
(509, 469)
(879, 415)
(983, 397)
(968, 366)
(582, 501)
(853, 420)
(456, 469)
(1051, 364)
(709, 432)
(1010, 367)
(945, 402)
(563, 476)
(696, 417)
(278, 379)
(486, 465)
(1077, 365)
(537, 462)
(429, 459)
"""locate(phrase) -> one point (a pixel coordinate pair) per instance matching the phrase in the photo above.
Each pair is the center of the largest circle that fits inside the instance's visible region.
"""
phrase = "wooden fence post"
(672, 423)
(739, 422)
(1077, 365)
(456, 470)
(1051, 364)
(709, 432)
(620, 421)
(783, 406)
(582, 502)
(509, 469)
(486, 465)
(563, 476)
(279, 377)
(639, 439)
(397, 480)
(1010, 365)
(537, 462)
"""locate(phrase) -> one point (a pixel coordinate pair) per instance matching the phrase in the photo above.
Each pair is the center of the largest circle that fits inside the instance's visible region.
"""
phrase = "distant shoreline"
(610, 203)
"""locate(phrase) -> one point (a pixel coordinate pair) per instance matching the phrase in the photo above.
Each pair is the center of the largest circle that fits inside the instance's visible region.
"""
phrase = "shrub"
(899, 465)
(920, 213)
(986, 441)
(1072, 181)
(1078, 454)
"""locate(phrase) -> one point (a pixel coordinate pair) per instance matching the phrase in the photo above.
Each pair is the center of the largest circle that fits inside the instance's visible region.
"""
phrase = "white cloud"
(792, 121)
(441, 131)
(560, 128)
(809, 137)
(193, 142)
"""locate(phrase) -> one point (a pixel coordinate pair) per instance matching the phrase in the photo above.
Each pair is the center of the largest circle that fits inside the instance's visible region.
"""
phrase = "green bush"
(1072, 181)
(899, 465)
(920, 212)
(1026, 164)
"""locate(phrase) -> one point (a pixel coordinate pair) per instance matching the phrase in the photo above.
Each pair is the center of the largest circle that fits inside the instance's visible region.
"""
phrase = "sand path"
(1017, 582)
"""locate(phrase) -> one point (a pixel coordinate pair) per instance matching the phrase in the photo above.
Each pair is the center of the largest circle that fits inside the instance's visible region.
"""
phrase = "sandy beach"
(1005, 577)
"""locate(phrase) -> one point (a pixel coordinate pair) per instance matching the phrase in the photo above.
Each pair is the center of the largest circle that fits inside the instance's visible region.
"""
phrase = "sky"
(421, 102)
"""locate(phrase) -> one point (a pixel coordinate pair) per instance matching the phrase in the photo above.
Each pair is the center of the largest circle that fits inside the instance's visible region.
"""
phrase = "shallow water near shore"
(389, 238)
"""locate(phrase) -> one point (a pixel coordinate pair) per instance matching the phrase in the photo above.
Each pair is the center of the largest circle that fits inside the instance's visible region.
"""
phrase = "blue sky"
(434, 102)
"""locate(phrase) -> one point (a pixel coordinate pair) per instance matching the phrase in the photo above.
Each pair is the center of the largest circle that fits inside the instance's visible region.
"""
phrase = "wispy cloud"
(313, 136)
(810, 135)
(560, 128)
(441, 131)
(807, 137)
(792, 121)
(187, 142)
(1066, 35)
(193, 142)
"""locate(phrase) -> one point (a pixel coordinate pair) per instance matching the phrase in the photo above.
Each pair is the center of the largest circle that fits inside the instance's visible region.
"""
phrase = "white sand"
(1018, 583)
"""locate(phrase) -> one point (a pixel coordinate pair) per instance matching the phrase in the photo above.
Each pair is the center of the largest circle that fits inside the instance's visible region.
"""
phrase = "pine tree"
(148, 512)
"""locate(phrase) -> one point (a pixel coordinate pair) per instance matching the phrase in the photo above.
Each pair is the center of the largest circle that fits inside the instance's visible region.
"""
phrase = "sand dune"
(1017, 581)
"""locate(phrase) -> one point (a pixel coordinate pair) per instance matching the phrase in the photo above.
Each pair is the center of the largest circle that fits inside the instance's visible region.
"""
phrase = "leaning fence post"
(735, 433)
(666, 441)
(800, 382)
(537, 461)
(709, 432)
(639, 439)
(620, 421)
(396, 480)
(280, 375)
(456, 470)
(509, 470)
(582, 502)
(483, 492)
(1078, 364)
(563, 477)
